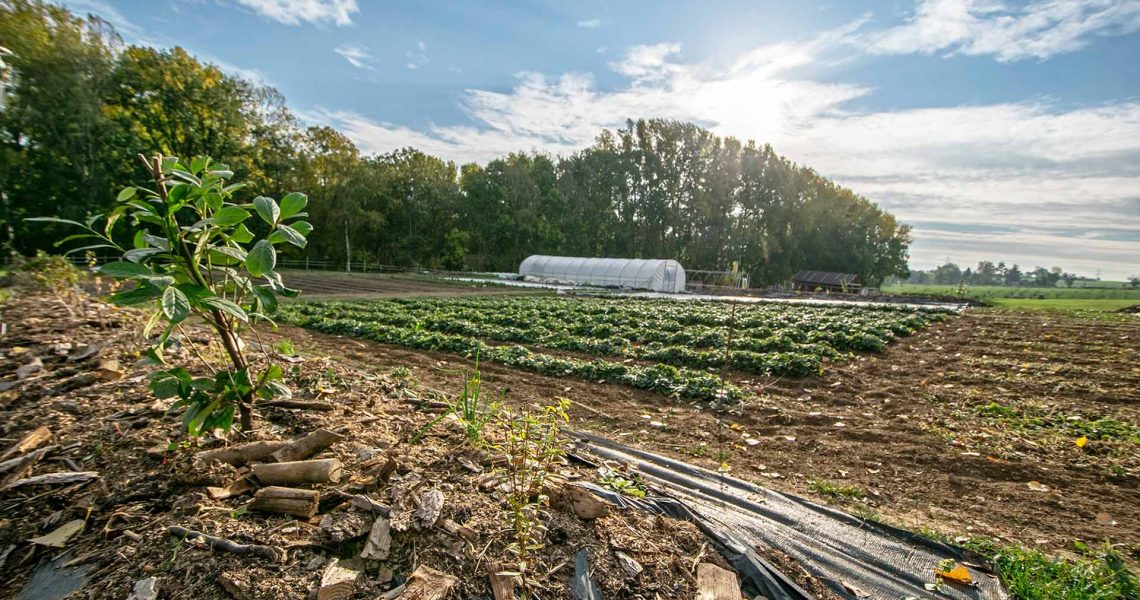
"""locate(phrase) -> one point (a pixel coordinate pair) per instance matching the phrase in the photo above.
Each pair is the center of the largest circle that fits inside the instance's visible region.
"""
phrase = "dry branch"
(243, 454)
(308, 446)
(267, 552)
(52, 479)
(29, 442)
(302, 404)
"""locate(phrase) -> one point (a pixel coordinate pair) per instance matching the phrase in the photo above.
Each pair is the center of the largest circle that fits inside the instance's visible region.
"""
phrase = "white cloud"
(590, 23)
(1039, 29)
(294, 12)
(356, 55)
(418, 57)
(1064, 182)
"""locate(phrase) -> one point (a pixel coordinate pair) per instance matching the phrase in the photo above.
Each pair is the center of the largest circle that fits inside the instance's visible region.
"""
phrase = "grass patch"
(835, 490)
(1096, 575)
(1036, 419)
(993, 292)
(1064, 304)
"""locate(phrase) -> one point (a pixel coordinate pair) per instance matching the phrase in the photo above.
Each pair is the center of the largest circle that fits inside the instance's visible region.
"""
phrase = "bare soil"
(335, 286)
(903, 428)
(103, 419)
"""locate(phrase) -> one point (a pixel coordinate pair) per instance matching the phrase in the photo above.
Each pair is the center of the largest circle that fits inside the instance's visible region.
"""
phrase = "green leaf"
(261, 259)
(230, 189)
(292, 204)
(303, 227)
(138, 254)
(166, 387)
(285, 233)
(175, 304)
(55, 220)
(267, 209)
(241, 234)
(138, 295)
(127, 194)
(230, 215)
(267, 299)
(227, 307)
(122, 269)
(198, 163)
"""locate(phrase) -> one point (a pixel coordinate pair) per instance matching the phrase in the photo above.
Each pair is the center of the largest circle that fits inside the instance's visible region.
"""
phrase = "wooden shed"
(814, 281)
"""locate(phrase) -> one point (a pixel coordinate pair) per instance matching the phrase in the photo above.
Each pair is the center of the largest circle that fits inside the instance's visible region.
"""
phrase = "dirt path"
(900, 436)
(328, 285)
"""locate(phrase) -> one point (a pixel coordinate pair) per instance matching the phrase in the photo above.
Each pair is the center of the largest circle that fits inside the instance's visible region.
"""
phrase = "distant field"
(1109, 304)
(988, 293)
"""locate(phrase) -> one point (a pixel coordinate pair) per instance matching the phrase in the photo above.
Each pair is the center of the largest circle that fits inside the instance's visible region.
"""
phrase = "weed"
(532, 448)
(472, 409)
(1030, 575)
(285, 348)
(835, 490)
(623, 485)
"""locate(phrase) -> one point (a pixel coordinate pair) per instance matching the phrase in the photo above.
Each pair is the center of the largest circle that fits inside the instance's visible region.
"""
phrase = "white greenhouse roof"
(654, 274)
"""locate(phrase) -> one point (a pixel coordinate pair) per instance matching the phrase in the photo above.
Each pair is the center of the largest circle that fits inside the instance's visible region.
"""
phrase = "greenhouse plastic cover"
(853, 557)
(636, 273)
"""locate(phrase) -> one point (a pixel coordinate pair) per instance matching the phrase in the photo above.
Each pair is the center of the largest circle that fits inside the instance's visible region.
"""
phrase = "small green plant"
(532, 449)
(620, 484)
(835, 490)
(285, 348)
(473, 409)
(192, 254)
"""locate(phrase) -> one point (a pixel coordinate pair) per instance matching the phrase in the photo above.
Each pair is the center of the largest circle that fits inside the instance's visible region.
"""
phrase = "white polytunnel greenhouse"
(636, 273)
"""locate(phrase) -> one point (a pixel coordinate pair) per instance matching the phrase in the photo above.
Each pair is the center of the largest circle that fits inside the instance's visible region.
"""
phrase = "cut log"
(426, 583)
(586, 504)
(289, 501)
(308, 446)
(502, 582)
(337, 582)
(715, 583)
(28, 443)
(379, 542)
(216, 543)
(327, 470)
(243, 454)
(238, 487)
(52, 479)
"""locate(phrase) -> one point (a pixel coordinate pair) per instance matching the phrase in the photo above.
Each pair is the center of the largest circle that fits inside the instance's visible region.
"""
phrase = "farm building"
(811, 281)
(656, 275)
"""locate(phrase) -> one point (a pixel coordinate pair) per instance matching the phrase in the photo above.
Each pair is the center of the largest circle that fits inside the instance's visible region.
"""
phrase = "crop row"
(660, 378)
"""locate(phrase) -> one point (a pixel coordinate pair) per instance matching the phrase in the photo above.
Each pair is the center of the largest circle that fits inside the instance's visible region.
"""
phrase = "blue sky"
(999, 130)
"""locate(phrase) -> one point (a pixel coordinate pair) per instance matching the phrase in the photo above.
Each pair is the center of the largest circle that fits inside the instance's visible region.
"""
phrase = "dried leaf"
(1037, 486)
(959, 574)
(59, 537)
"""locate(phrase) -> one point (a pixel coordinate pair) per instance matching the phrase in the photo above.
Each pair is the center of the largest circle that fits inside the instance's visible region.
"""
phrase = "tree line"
(990, 273)
(79, 105)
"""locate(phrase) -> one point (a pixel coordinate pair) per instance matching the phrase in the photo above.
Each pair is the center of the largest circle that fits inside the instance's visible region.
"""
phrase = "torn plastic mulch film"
(853, 557)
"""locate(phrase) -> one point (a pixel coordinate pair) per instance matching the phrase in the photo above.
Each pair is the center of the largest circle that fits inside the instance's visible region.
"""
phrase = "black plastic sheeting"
(853, 557)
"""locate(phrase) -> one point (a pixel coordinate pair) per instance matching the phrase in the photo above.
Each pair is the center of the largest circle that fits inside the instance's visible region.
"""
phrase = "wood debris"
(715, 583)
(327, 470)
(267, 552)
(289, 501)
(586, 504)
(29, 442)
(242, 454)
(337, 582)
(307, 447)
(426, 583)
(52, 479)
(379, 542)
